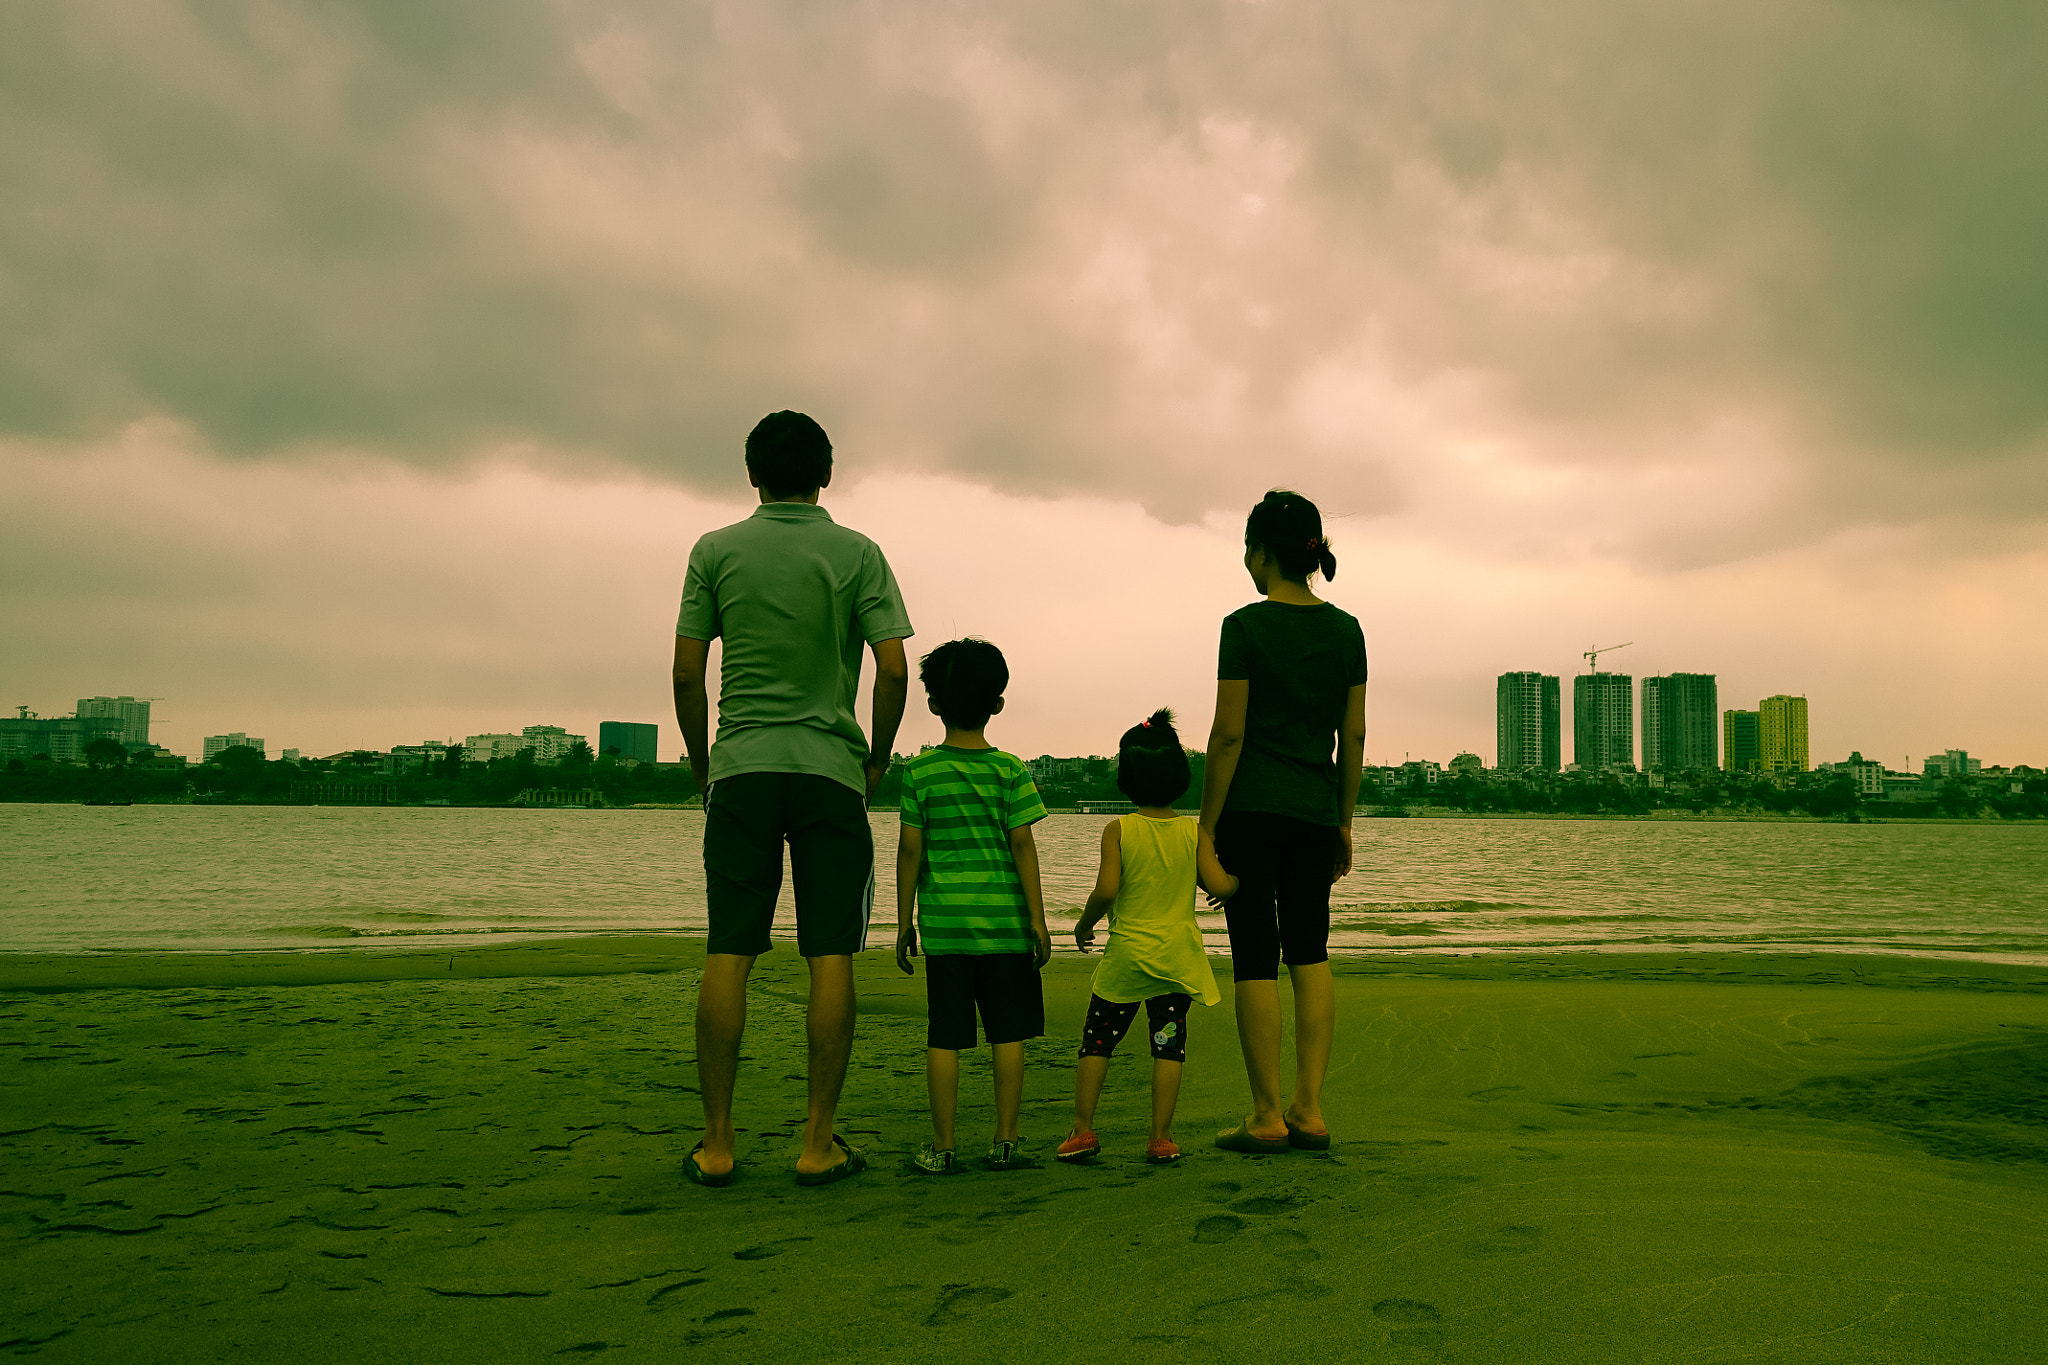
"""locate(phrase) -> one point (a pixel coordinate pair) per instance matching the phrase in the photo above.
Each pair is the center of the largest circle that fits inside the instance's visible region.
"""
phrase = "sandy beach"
(474, 1155)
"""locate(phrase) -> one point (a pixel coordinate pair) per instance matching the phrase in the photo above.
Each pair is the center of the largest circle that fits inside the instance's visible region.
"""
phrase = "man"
(795, 597)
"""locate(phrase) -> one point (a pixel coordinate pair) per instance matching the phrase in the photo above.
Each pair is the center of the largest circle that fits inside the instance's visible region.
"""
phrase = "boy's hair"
(1288, 527)
(966, 679)
(788, 454)
(1151, 767)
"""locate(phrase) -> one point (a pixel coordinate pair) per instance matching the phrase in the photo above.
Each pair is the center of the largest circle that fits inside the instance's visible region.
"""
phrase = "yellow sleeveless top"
(1155, 946)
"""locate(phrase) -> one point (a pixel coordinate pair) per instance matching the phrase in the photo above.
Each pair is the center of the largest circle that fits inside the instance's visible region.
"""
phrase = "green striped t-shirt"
(969, 897)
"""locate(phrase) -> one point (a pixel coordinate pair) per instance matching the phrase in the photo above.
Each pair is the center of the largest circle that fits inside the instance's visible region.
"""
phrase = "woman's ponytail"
(1289, 529)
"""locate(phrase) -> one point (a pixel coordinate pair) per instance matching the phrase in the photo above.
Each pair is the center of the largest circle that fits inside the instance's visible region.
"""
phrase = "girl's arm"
(1220, 885)
(1109, 875)
(1024, 850)
(1226, 741)
(909, 863)
(1350, 762)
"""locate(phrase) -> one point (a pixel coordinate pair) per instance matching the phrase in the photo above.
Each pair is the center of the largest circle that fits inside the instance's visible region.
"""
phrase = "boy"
(968, 862)
(795, 597)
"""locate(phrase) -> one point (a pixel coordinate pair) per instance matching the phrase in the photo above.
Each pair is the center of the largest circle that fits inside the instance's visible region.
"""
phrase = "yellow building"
(1781, 735)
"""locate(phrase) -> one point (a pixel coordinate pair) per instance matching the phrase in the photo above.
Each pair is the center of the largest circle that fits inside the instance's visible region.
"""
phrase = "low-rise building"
(1467, 764)
(1868, 774)
(636, 741)
(215, 744)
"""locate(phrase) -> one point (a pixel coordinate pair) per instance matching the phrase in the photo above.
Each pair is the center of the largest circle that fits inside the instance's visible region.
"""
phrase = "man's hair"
(1151, 767)
(788, 454)
(966, 679)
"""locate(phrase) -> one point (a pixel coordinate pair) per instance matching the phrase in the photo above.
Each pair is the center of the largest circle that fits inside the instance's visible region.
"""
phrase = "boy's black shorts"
(1005, 986)
(747, 819)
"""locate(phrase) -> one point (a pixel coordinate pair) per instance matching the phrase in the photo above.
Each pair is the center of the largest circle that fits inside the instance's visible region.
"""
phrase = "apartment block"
(1527, 722)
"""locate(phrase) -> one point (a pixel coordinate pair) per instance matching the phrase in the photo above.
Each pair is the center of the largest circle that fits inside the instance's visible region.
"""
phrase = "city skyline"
(421, 444)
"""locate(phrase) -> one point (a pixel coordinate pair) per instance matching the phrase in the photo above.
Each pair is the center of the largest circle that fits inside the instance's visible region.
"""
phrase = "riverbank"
(474, 1155)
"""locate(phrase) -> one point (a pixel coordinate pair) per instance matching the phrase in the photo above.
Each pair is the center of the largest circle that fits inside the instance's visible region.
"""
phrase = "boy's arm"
(693, 706)
(1109, 875)
(892, 687)
(909, 863)
(1024, 850)
(1220, 885)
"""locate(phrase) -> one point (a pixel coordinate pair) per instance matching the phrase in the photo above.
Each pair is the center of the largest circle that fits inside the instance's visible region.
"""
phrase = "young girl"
(1151, 861)
(1290, 688)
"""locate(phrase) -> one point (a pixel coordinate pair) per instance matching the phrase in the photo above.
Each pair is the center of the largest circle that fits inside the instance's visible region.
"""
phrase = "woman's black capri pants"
(1281, 912)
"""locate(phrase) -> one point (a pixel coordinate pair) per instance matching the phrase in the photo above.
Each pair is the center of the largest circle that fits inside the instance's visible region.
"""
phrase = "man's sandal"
(854, 1164)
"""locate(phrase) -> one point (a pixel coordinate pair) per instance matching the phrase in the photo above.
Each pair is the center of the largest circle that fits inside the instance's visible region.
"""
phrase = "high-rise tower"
(132, 712)
(1678, 722)
(1603, 721)
(1738, 741)
(1528, 722)
(1781, 735)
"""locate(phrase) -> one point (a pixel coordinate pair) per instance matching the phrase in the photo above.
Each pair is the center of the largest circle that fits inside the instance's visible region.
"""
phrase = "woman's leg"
(942, 1080)
(1315, 1026)
(1303, 900)
(1258, 1036)
(1245, 848)
(1009, 1059)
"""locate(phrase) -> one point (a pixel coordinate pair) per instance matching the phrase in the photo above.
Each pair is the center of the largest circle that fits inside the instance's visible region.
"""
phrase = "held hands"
(1341, 863)
(906, 949)
(1217, 899)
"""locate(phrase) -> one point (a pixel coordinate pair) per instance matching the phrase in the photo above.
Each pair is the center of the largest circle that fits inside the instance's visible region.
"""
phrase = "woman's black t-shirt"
(1302, 663)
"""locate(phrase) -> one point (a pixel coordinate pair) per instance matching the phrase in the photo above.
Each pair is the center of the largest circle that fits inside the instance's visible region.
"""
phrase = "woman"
(1290, 688)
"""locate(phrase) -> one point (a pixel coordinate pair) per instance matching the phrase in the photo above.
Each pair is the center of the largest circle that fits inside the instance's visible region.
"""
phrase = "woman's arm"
(1350, 762)
(1220, 885)
(909, 863)
(1109, 875)
(1226, 742)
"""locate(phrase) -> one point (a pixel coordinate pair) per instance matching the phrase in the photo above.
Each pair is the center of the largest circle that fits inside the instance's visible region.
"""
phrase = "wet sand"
(475, 1156)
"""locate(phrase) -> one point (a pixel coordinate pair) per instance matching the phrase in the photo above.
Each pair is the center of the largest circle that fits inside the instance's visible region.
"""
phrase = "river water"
(213, 878)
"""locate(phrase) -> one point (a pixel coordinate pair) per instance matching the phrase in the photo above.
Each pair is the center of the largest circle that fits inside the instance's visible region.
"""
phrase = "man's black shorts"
(1005, 986)
(747, 819)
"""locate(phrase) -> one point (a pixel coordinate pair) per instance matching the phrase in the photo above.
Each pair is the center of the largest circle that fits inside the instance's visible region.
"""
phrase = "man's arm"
(909, 864)
(892, 687)
(1024, 849)
(693, 707)
(1350, 762)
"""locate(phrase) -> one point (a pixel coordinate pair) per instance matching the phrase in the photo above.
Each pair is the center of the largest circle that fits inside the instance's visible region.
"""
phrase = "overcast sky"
(367, 370)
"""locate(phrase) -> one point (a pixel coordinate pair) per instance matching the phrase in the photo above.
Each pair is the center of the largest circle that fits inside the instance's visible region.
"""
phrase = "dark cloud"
(1118, 248)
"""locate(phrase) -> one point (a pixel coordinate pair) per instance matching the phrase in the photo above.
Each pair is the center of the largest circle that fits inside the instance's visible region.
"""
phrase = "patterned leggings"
(1108, 1021)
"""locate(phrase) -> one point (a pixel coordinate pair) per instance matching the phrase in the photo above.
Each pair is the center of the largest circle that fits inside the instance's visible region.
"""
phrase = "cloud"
(1161, 252)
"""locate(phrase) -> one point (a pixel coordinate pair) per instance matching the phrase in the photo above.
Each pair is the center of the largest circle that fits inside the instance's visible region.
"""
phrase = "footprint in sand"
(1414, 1323)
(1504, 1241)
(1219, 1227)
(767, 1249)
(1222, 1190)
(957, 1301)
(1264, 1205)
(1290, 1245)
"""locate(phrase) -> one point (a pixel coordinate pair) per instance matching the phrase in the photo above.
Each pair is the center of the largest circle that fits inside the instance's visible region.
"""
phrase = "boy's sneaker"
(930, 1158)
(1008, 1155)
(1079, 1146)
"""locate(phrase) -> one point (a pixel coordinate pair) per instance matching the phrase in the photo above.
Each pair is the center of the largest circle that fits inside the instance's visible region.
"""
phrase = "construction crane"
(1592, 656)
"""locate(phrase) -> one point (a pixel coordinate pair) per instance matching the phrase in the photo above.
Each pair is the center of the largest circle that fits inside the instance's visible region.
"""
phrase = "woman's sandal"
(699, 1176)
(1304, 1141)
(1240, 1139)
(854, 1164)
